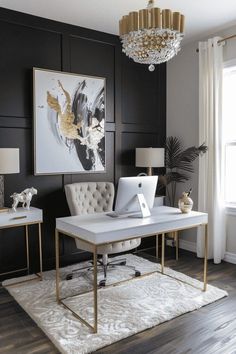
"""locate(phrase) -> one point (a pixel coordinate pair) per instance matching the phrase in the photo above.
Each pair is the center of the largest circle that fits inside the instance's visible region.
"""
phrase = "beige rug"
(123, 310)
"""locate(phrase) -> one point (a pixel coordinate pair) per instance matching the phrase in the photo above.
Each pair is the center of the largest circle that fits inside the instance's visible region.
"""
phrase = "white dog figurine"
(23, 197)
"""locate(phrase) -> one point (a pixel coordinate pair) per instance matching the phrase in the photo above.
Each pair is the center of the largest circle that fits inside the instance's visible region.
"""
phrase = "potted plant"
(179, 165)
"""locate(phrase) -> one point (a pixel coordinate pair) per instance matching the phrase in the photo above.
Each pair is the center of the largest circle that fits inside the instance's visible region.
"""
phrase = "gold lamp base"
(149, 171)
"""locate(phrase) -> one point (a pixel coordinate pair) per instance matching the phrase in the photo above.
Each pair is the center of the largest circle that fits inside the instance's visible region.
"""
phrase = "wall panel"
(141, 94)
(135, 101)
(22, 48)
(96, 59)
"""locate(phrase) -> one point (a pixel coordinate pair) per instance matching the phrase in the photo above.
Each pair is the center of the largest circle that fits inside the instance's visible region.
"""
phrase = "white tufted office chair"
(97, 197)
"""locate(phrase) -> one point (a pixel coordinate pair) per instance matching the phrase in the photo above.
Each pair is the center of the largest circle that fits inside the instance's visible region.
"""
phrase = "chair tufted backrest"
(89, 197)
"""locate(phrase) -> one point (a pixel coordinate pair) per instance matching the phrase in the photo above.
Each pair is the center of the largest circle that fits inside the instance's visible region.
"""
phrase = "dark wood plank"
(18, 333)
(208, 330)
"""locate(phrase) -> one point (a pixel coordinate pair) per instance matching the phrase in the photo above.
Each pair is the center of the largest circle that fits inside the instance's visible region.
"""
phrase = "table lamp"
(9, 163)
(150, 157)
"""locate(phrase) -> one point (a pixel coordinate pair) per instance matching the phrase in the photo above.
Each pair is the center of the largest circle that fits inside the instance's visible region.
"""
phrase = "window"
(229, 131)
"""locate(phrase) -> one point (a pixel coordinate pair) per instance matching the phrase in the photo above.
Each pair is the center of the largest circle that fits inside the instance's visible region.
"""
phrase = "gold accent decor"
(176, 21)
(182, 23)
(166, 19)
(4, 210)
(133, 21)
(66, 118)
(205, 257)
(155, 17)
(19, 217)
(151, 36)
(149, 171)
(143, 19)
(125, 24)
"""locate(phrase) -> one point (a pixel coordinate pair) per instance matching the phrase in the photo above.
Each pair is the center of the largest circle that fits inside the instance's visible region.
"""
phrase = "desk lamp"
(150, 157)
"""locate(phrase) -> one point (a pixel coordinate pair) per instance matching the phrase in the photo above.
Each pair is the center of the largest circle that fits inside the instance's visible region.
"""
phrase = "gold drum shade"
(155, 18)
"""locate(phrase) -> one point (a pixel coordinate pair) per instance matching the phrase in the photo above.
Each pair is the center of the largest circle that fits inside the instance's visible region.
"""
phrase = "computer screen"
(128, 190)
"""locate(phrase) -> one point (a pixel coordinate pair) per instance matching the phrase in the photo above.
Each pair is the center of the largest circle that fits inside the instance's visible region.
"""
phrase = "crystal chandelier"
(151, 36)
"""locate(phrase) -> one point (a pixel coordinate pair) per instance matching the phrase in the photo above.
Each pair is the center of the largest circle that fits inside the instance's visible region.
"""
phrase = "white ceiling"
(202, 16)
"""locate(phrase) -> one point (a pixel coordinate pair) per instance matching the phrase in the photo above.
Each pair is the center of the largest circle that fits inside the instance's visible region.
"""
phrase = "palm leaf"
(173, 149)
(176, 177)
(178, 158)
(188, 156)
(178, 161)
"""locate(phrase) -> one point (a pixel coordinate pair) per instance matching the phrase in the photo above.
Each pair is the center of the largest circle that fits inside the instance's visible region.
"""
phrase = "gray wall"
(182, 118)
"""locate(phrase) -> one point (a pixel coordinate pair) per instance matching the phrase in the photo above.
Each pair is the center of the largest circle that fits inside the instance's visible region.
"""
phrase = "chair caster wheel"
(102, 283)
(69, 277)
(137, 273)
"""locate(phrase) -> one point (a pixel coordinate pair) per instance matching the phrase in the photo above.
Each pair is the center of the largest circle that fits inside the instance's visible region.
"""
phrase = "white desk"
(25, 218)
(98, 229)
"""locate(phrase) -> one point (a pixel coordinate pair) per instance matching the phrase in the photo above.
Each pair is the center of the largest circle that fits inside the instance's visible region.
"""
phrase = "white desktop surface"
(99, 228)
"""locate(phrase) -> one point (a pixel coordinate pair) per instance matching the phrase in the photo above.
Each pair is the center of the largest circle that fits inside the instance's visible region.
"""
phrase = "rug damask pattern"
(123, 310)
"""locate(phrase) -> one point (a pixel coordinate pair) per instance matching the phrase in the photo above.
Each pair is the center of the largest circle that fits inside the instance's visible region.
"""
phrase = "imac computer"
(135, 196)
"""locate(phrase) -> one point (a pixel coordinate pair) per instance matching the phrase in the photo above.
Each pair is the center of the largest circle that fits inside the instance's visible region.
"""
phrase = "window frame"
(230, 206)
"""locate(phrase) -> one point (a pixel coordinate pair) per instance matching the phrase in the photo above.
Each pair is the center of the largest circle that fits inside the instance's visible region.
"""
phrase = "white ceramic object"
(23, 197)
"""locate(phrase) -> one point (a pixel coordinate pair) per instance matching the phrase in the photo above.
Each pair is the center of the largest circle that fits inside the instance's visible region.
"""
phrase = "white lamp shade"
(9, 161)
(150, 157)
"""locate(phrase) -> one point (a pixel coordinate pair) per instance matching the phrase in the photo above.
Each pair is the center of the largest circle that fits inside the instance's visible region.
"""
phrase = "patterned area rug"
(124, 310)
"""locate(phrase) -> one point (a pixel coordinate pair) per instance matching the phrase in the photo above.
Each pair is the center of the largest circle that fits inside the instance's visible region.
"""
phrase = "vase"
(185, 203)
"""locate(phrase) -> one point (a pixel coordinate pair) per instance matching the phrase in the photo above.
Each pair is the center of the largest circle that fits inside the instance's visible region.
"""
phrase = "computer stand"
(144, 209)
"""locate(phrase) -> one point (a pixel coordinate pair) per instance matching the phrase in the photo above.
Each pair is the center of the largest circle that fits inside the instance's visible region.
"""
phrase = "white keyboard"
(113, 214)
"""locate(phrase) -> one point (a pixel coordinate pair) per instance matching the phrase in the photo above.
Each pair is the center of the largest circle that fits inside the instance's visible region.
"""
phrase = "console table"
(99, 229)
(25, 218)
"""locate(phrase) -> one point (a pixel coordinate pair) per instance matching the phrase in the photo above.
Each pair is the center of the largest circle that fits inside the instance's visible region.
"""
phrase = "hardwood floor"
(208, 330)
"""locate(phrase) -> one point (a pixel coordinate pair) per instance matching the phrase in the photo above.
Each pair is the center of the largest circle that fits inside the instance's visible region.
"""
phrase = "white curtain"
(211, 173)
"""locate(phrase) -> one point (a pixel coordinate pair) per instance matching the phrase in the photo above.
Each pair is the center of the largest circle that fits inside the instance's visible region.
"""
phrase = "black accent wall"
(136, 116)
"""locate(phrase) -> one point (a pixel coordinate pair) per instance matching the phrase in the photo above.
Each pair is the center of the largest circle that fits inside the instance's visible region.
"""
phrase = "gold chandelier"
(152, 36)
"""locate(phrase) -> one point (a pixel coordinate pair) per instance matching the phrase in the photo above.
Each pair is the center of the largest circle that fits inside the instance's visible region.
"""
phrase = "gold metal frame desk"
(99, 229)
(25, 218)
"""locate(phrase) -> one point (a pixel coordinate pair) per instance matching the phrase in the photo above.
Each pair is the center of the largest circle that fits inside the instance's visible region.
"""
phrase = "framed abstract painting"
(69, 123)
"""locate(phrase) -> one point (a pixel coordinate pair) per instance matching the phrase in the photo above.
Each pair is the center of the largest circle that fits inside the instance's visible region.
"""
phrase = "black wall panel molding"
(136, 116)
(15, 122)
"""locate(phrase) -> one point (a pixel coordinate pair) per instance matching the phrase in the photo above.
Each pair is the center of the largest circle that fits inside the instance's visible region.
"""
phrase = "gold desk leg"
(57, 267)
(95, 327)
(157, 239)
(27, 246)
(205, 257)
(176, 245)
(40, 252)
(163, 253)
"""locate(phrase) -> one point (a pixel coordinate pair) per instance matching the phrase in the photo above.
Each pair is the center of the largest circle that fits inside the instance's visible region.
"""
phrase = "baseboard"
(185, 245)
(192, 247)
(230, 257)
